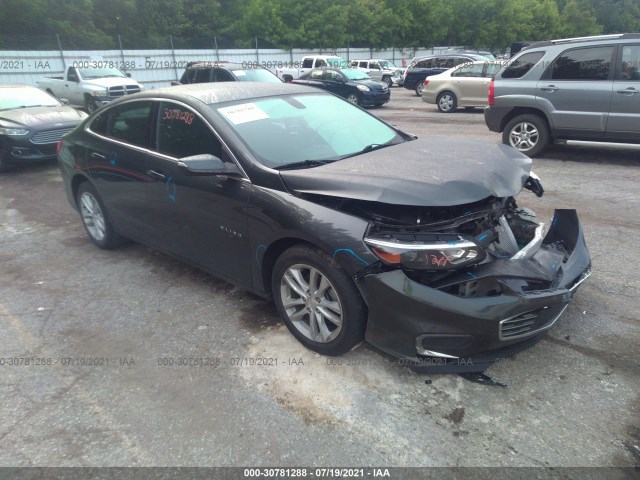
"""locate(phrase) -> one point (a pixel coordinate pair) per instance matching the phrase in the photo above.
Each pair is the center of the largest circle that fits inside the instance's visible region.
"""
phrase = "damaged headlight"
(436, 255)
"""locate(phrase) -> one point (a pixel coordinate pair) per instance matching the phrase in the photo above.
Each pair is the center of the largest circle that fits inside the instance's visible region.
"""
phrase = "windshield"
(294, 128)
(25, 97)
(355, 74)
(387, 64)
(88, 73)
(338, 62)
(256, 75)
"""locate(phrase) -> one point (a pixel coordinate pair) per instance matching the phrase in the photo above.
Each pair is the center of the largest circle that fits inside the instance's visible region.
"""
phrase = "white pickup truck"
(297, 69)
(90, 86)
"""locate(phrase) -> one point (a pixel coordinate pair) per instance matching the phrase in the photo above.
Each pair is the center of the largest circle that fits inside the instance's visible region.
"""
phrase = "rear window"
(522, 65)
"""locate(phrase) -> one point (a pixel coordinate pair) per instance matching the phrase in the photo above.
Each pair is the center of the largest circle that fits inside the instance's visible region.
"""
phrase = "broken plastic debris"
(482, 379)
(40, 309)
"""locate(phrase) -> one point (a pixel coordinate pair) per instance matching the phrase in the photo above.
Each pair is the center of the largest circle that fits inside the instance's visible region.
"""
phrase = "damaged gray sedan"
(357, 230)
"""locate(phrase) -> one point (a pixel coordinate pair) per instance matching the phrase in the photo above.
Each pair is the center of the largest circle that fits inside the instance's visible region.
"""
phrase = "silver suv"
(573, 89)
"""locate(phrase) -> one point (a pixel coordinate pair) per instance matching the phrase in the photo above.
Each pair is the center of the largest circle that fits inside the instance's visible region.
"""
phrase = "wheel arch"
(76, 181)
(525, 111)
(271, 254)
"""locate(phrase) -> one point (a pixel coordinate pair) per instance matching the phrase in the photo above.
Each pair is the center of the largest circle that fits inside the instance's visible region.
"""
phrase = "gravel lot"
(571, 401)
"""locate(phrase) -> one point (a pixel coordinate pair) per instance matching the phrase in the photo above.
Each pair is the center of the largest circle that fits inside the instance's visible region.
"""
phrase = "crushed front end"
(459, 288)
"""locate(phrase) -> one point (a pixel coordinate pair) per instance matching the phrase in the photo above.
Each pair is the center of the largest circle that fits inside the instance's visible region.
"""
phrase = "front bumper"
(433, 330)
(16, 151)
(375, 97)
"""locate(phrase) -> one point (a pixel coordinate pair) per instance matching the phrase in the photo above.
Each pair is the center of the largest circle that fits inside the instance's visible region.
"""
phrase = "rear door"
(470, 84)
(624, 116)
(576, 90)
(116, 161)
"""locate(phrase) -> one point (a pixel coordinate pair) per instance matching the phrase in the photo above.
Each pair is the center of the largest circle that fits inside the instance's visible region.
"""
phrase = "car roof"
(228, 91)
(222, 64)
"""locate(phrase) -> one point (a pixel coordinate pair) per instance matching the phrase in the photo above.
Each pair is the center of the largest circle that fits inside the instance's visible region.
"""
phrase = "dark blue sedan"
(352, 84)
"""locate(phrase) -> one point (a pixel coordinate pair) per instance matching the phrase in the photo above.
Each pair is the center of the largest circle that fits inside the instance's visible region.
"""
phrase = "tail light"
(492, 93)
(59, 146)
(426, 82)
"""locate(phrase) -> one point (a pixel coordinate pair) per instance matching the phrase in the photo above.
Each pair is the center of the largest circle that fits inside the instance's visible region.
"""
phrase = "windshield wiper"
(304, 164)
(368, 148)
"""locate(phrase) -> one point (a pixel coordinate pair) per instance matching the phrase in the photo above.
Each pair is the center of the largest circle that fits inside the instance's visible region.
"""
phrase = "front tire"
(387, 80)
(527, 133)
(95, 218)
(90, 104)
(318, 302)
(353, 98)
(447, 102)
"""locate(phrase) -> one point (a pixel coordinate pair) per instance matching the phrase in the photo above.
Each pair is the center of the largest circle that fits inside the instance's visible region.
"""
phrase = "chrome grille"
(121, 90)
(530, 323)
(519, 325)
(50, 136)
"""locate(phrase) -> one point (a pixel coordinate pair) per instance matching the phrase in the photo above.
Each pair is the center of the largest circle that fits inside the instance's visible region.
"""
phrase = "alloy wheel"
(311, 303)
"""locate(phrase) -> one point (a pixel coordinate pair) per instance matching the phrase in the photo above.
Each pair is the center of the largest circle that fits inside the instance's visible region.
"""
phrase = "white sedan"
(466, 85)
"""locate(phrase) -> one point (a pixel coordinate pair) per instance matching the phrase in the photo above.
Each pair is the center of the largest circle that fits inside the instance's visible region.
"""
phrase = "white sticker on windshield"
(239, 73)
(246, 112)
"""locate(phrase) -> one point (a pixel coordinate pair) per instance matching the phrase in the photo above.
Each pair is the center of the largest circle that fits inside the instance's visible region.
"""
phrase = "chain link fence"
(156, 61)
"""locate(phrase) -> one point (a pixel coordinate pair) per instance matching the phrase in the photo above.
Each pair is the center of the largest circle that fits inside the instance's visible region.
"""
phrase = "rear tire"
(318, 302)
(527, 133)
(419, 88)
(387, 79)
(447, 102)
(95, 218)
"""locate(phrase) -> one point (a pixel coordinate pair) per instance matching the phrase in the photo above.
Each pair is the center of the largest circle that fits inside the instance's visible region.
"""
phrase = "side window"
(316, 75)
(583, 64)
(468, 70)
(630, 68)
(320, 63)
(374, 66)
(492, 69)
(427, 63)
(522, 65)
(188, 76)
(181, 133)
(99, 123)
(72, 75)
(224, 76)
(203, 75)
(130, 123)
(333, 76)
(307, 63)
(363, 65)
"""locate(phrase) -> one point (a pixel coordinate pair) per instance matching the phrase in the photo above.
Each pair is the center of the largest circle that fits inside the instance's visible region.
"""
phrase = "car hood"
(372, 84)
(38, 116)
(434, 171)
(109, 82)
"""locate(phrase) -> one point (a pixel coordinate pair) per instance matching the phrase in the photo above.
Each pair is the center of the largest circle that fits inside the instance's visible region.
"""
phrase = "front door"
(624, 116)
(577, 90)
(199, 218)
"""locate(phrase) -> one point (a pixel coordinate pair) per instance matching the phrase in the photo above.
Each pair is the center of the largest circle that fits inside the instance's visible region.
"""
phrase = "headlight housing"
(99, 93)
(13, 131)
(439, 254)
(363, 88)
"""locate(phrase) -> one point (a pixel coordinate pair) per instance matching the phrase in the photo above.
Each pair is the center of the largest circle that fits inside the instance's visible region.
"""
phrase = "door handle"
(98, 156)
(549, 88)
(156, 175)
(629, 91)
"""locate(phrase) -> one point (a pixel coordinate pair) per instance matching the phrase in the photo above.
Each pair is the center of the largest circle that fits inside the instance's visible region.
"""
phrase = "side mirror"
(206, 164)
(175, 83)
(64, 101)
(73, 78)
(128, 74)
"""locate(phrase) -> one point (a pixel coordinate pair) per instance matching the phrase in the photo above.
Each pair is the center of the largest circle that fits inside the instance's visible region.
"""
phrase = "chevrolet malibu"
(356, 230)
